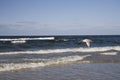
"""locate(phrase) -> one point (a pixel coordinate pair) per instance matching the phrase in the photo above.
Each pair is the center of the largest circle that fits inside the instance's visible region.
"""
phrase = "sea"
(60, 57)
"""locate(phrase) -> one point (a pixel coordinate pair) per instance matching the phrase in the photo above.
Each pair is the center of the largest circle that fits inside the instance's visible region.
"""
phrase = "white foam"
(24, 39)
(18, 41)
(13, 66)
(45, 62)
(60, 60)
(109, 53)
(95, 49)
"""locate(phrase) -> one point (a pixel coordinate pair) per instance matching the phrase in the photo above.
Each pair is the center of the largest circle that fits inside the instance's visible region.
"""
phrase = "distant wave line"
(24, 39)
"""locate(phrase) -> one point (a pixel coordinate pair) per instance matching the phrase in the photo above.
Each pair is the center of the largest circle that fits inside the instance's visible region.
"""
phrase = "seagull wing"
(88, 44)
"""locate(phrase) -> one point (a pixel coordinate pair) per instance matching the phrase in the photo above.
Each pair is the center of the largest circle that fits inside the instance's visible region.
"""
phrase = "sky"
(59, 17)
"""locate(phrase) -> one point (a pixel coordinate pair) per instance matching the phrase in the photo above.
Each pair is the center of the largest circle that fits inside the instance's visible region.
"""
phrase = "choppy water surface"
(59, 58)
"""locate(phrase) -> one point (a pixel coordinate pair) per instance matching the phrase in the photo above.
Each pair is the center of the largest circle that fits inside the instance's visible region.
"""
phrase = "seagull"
(87, 41)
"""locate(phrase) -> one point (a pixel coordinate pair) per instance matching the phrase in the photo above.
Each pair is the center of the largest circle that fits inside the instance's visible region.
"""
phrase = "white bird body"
(87, 41)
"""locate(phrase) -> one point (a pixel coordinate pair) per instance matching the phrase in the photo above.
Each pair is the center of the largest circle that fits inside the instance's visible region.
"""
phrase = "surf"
(18, 60)
(39, 63)
(48, 51)
(23, 39)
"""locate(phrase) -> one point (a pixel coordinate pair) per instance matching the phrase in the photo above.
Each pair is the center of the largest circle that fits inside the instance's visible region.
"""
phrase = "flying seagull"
(87, 41)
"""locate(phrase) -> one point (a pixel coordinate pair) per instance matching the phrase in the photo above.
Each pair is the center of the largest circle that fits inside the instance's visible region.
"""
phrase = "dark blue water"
(58, 43)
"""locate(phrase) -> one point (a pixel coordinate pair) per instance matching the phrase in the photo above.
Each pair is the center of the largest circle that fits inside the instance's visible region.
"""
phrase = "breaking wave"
(18, 41)
(24, 39)
(94, 49)
(41, 63)
(40, 58)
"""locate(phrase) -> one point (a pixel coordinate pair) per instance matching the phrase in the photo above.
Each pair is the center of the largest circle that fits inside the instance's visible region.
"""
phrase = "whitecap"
(18, 41)
(109, 53)
(45, 62)
(23, 39)
(94, 49)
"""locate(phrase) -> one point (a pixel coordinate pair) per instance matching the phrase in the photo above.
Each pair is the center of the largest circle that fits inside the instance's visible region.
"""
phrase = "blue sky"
(59, 17)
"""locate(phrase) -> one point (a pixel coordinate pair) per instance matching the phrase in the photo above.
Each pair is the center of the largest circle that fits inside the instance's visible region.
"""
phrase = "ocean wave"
(15, 61)
(93, 49)
(61, 40)
(18, 41)
(109, 53)
(24, 39)
(45, 62)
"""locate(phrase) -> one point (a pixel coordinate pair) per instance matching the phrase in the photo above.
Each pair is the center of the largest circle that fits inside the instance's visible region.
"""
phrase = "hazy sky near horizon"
(59, 17)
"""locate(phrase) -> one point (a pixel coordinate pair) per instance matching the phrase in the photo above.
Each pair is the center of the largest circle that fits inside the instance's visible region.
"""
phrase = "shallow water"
(75, 71)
